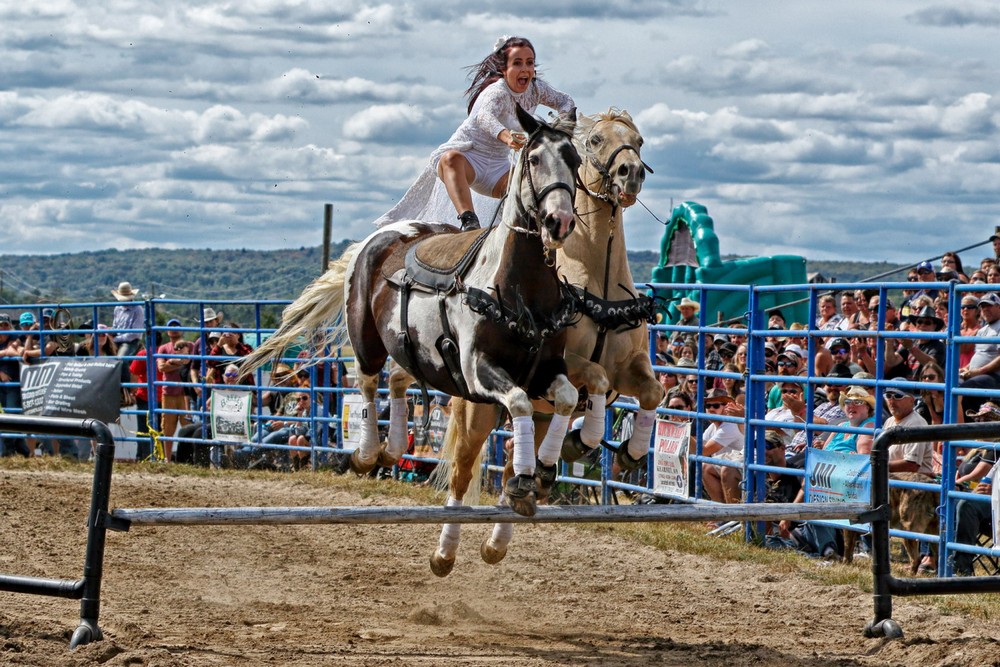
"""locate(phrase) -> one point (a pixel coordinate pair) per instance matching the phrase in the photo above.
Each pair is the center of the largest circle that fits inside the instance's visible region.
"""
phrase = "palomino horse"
(476, 315)
(608, 349)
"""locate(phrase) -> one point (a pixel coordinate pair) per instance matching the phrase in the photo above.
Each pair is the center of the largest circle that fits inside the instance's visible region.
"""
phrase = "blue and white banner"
(838, 477)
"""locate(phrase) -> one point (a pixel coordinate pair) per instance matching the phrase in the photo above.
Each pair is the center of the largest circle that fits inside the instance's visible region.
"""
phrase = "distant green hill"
(251, 275)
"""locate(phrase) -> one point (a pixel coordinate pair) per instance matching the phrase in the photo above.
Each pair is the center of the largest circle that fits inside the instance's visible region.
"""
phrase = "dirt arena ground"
(363, 595)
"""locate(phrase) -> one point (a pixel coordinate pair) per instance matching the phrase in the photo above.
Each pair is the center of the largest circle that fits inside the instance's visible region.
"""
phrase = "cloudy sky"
(857, 130)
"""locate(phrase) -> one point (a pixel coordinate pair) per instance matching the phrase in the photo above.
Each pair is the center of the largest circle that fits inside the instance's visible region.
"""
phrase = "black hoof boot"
(545, 478)
(522, 493)
(469, 221)
(573, 448)
(625, 460)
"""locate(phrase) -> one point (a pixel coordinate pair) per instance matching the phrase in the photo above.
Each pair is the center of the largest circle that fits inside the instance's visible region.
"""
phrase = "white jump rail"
(122, 519)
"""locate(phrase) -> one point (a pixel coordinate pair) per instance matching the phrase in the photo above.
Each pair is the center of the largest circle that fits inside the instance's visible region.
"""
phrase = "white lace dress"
(427, 199)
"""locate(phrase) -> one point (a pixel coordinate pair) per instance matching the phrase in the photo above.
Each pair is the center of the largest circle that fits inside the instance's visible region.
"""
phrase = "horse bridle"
(604, 170)
(532, 212)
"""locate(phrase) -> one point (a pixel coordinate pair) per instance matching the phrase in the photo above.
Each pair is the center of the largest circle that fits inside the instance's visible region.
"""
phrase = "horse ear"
(567, 120)
(528, 122)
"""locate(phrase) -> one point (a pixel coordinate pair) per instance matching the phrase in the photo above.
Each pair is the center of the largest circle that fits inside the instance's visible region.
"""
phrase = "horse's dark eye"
(533, 160)
(595, 140)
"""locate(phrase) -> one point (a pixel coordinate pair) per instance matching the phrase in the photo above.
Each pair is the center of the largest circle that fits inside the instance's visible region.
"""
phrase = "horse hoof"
(522, 492)
(573, 448)
(359, 467)
(491, 555)
(545, 478)
(441, 566)
(385, 459)
(625, 460)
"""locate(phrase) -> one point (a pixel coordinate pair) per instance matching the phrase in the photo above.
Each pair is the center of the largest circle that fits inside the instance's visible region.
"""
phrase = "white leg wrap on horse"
(548, 451)
(451, 533)
(524, 446)
(638, 444)
(397, 427)
(502, 534)
(593, 421)
(369, 443)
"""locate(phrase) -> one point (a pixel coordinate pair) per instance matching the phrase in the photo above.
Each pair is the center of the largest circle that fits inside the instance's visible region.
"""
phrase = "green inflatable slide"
(689, 254)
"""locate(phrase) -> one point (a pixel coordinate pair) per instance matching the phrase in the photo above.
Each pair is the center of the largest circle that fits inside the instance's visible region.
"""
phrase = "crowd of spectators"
(838, 360)
(199, 355)
(195, 357)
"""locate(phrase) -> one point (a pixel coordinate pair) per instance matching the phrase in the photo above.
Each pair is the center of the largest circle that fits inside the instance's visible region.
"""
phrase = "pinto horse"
(607, 349)
(478, 315)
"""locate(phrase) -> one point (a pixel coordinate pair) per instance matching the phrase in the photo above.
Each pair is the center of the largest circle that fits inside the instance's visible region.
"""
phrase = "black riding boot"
(469, 221)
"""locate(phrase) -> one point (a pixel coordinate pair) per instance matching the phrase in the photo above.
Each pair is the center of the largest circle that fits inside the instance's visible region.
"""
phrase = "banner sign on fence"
(73, 387)
(670, 458)
(838, 477)
(231, 415)
(350, 421)
(435, 431)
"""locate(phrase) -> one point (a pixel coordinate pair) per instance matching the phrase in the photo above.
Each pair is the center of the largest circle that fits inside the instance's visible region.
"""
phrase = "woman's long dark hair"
(490, 68)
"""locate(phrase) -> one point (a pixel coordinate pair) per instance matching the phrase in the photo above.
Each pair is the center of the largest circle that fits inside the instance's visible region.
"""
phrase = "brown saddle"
(438, 260)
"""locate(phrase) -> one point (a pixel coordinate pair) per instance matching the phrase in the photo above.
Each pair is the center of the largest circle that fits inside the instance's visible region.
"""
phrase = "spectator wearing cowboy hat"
(926, 350)
(688, 308)
(128, 315)
(983, 371)
(975, 518)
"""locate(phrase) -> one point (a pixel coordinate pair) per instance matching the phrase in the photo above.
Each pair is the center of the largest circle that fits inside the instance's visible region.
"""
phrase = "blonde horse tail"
(440, 478)
(318, 317)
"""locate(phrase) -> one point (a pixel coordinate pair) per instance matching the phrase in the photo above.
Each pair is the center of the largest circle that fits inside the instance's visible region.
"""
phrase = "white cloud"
(232, 123)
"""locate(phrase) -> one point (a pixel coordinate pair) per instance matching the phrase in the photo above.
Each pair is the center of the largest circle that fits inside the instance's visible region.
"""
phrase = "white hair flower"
(500, 42)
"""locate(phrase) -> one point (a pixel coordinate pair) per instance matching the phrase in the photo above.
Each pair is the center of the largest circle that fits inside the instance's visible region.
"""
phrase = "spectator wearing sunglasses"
(970, 324)
(840, 351)
(914, 456)
(791, 410)
(924, 351)
(788, 363)
(925, 274)
(983, 371)
(721, 440)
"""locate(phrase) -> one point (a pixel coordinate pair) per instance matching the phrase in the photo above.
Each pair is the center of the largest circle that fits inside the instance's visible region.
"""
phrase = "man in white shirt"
(983, 371)
(912, 456)
(722, 440)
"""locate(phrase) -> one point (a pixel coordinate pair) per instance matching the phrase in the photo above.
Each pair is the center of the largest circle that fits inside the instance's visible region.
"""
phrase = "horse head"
(613, 167)
(545, 180)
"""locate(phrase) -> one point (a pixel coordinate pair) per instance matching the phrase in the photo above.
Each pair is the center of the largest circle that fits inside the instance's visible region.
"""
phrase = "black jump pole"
(327, 234)
(88, 588)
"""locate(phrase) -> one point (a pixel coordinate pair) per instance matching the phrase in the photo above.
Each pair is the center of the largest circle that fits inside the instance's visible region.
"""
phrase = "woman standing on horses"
(477, 156)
